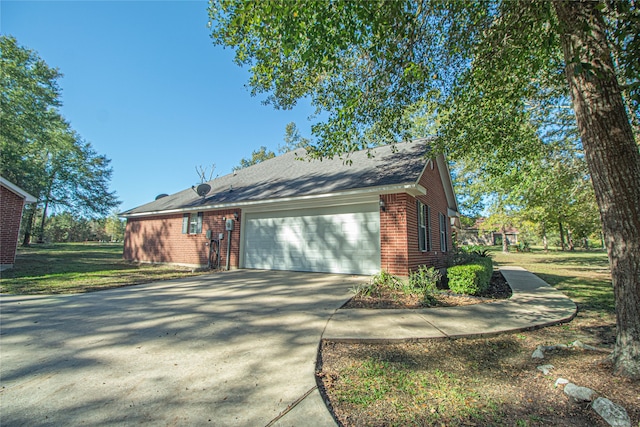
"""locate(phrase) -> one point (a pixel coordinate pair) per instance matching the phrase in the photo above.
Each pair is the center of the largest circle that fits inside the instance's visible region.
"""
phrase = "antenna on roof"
(202, 189)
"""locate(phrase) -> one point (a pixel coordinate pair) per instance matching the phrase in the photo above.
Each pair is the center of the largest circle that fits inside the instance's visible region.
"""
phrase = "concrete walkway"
(534, 304)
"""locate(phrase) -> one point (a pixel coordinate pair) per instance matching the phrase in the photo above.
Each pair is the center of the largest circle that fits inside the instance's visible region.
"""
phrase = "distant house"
(12, 201)
(475, 235)
(392, 210)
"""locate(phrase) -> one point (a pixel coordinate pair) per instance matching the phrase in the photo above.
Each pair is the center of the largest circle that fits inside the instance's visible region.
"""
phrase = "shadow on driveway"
(231, 348)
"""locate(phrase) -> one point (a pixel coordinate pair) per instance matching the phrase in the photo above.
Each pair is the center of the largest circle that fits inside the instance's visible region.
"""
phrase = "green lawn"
(584, 276)
(79, 267)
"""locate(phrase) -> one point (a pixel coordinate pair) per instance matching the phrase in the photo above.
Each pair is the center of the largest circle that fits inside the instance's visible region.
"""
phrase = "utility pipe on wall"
(228, 249)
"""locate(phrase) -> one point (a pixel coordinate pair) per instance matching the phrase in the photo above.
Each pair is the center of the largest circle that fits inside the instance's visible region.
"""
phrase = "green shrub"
(380, 283)
(467, 255)
(472, 278)
(386, 280)
(424, 281)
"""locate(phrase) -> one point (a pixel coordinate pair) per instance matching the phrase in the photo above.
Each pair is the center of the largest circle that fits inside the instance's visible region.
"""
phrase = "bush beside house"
(472, 278)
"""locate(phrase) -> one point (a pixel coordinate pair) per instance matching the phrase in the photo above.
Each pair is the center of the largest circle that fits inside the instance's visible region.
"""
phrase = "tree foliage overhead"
(361, 62)
(369, 63)
(496, 75)
(41, 153)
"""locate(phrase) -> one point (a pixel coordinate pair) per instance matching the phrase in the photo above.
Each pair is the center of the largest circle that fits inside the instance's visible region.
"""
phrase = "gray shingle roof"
(287, 176)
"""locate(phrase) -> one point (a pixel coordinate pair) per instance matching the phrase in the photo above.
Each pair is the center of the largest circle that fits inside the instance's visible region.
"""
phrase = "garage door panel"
(339, 240)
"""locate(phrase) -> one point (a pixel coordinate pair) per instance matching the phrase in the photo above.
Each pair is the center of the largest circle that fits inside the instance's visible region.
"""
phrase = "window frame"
(424, 227)
(443, 232)
(192, 223)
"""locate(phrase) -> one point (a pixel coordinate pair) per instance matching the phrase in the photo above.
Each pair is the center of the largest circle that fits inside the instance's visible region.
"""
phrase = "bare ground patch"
(466, 382)
(473, 381)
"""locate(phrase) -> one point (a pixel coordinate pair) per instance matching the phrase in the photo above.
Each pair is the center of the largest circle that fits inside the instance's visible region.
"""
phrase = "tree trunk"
(505, 243)
(28, 223)
(570, 240)
(614, 164)
(561, 235)
(42, 221)
(44, 209)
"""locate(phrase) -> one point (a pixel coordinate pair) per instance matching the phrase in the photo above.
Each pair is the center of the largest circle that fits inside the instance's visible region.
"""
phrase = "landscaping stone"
(541, 349)
(545, 369)
(578, 393)
(561, 381)
(613, 414)
(538, 353)
(580, 344)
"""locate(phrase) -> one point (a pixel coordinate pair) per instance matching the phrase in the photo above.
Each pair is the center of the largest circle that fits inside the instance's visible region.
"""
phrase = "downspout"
(228, 249)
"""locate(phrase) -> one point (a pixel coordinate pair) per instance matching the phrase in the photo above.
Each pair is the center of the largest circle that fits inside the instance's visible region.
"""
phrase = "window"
(424, 227)
(192, 223)
(443, 233)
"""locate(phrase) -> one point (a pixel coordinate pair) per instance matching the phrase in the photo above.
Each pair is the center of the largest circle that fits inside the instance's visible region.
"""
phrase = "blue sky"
(144, 84)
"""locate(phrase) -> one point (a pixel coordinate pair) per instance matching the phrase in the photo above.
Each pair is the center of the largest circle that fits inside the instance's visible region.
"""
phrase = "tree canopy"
(41, 153)
(368, 63)
(493, 67)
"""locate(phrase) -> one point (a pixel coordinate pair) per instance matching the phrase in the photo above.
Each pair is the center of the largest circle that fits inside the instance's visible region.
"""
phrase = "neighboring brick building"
(476, 235)
(390, 211)
(12, 201)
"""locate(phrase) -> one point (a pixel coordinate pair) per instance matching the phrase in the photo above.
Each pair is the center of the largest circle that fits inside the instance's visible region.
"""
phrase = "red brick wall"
(394, 250)
(400, 252)
(10, 213)
(159, 239)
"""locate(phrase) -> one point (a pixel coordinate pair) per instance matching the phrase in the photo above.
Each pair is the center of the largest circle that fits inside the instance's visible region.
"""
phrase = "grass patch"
(63, 268)
(402, 395)
(584, 276)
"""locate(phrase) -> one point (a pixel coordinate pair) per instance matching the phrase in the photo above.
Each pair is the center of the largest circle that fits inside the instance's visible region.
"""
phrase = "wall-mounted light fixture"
(235, 215)
(383, 207)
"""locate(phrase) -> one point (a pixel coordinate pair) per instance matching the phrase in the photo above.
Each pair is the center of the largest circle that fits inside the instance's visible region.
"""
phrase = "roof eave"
(445, 176)
(28, 198)
(411, 188)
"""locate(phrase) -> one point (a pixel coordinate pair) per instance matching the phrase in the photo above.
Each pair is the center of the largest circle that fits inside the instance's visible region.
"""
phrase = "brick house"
(477, 235)
(12, 201)
(392, 210)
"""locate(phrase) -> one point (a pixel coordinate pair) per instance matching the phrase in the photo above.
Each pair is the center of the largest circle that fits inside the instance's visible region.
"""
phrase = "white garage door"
(342, 239)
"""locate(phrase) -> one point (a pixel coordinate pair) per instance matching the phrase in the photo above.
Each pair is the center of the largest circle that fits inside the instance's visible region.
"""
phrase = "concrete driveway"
(227, 349)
